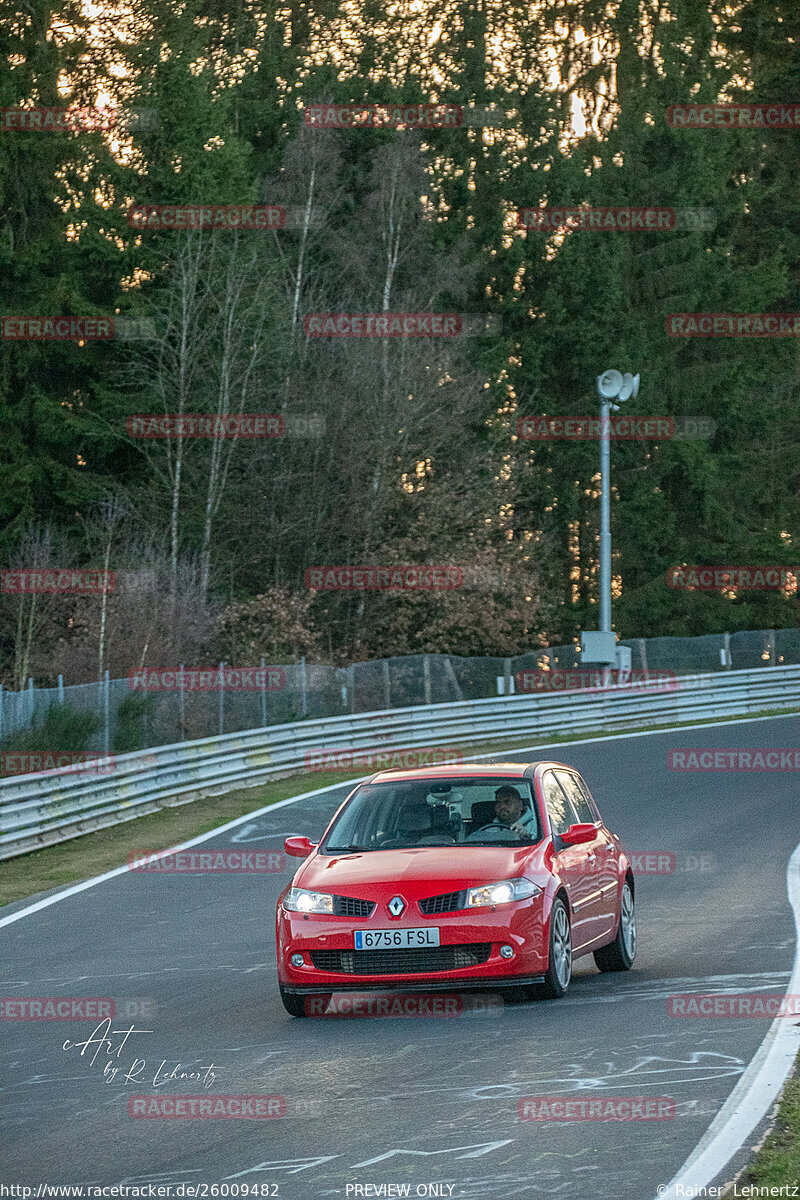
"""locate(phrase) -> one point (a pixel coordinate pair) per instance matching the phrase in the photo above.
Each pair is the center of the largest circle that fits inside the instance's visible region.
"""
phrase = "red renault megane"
(480, 876)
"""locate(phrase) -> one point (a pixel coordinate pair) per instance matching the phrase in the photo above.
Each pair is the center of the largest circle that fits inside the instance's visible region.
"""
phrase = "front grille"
(347, 906)
(401, 962)
(449, 902)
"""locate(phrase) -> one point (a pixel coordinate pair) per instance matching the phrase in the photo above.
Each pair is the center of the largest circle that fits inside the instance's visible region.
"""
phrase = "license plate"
(392, 939)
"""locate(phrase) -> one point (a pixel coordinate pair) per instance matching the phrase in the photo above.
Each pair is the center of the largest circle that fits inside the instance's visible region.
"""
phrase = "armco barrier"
(38, 811)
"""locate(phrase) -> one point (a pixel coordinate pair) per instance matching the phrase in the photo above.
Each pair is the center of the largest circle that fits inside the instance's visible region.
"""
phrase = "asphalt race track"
(190, 959)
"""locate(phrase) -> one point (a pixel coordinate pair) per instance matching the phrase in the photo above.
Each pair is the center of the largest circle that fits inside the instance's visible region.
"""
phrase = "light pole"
(600, 647)
(612, 385)
(605, 510)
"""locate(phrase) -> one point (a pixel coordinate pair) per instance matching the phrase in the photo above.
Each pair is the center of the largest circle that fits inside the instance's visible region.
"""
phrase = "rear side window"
(558, 806)
(581, 804)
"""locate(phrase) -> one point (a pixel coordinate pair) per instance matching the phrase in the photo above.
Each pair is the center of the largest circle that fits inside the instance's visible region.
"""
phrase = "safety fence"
(40, 809)
(126, 717)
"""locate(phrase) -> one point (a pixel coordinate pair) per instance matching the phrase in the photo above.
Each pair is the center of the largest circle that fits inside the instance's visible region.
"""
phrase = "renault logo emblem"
(396, 905)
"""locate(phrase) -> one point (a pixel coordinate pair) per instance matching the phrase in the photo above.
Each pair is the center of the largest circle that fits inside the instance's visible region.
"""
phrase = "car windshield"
(458, 812)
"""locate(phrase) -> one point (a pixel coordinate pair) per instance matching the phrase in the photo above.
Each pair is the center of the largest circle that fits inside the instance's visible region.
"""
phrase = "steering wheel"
(498, 827)
(395, 842)
(384, 842)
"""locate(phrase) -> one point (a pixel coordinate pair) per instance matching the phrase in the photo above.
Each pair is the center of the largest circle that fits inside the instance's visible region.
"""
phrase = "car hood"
(424, 871)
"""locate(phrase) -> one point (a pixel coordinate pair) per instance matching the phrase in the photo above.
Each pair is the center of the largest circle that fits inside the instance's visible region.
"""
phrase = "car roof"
(507, 770)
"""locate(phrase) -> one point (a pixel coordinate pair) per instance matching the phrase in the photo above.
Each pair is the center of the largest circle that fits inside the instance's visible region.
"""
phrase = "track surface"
(409, 1101)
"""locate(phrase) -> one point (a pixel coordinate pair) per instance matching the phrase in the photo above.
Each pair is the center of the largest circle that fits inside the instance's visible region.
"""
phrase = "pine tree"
(55, 259)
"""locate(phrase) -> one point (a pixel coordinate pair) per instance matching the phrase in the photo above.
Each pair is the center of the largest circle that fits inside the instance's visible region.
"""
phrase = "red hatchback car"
(486, 876)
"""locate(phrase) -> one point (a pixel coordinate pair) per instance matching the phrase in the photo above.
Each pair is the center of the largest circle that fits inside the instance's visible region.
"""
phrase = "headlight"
(502, 893)
(299, 900)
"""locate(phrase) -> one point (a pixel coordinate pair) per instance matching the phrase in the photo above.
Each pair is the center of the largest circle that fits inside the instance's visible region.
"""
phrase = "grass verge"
(777, 1163)
(93, 853)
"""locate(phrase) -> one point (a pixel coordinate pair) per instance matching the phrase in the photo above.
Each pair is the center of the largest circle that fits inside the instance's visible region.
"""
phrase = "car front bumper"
(520, 925)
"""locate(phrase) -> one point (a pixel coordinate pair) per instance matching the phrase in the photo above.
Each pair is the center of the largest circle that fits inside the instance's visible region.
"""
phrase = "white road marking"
(662, 989)
(74, 888)
(244, 835)
(477, 1150)
(758, 1088)
(64, 979)
(650, 1071)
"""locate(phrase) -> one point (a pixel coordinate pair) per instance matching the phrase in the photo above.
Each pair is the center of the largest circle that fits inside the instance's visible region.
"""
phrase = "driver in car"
(509, 809)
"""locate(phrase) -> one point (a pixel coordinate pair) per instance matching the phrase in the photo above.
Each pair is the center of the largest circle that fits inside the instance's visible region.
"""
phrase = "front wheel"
(559, 967)
(619, 955)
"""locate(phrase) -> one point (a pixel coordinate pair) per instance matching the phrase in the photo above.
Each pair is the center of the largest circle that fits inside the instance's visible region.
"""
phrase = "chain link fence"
(123, 718)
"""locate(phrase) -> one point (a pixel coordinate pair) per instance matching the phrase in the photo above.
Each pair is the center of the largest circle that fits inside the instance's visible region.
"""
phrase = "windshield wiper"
(506, 843)
(345, 849)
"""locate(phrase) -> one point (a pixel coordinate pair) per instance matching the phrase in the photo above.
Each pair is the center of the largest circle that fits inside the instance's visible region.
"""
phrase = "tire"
(619, 954)
(296, 1005)
(559, 963)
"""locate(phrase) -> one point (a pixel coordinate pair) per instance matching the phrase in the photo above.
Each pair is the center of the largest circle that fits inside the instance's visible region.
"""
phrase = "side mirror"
(576, 835)
(298, 847)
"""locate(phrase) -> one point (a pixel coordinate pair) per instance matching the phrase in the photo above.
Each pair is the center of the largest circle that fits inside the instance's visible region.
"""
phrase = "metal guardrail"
(40, 810)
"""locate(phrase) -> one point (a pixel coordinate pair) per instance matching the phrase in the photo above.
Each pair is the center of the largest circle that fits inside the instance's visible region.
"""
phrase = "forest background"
(401, 451)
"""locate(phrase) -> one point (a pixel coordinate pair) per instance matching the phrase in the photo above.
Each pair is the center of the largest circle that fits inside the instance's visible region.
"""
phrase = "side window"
(580, 801)
(592, 806)
(558, 807)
